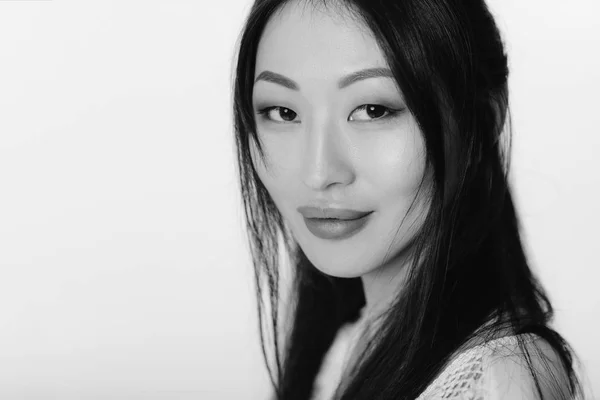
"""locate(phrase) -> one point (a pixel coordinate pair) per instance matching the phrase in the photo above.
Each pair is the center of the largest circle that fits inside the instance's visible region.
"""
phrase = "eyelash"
(391, 113)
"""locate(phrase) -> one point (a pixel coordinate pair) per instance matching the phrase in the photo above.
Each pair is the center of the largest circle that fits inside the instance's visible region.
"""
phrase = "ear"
(499, 108)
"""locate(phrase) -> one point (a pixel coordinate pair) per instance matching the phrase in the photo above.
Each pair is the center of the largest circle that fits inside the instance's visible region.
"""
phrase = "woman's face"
(324, 148)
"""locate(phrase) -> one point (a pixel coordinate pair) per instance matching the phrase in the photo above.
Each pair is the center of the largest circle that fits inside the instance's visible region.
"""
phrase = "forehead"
(307, 42)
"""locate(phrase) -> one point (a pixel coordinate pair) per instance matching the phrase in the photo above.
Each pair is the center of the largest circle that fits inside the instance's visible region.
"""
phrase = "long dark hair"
(469, 267)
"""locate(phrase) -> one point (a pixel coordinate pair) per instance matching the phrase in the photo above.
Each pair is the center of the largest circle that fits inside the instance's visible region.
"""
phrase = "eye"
(286, 114)
(374, 112)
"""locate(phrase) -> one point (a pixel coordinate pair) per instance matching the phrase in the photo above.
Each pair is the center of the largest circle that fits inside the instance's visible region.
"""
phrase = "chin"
(339, 267)
(340, 273)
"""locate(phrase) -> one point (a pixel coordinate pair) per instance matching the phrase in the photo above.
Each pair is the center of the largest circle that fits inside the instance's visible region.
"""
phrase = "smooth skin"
(355, 147)
(326, 145)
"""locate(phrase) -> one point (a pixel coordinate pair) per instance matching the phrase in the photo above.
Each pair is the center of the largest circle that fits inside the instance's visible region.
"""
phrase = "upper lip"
(336, 213)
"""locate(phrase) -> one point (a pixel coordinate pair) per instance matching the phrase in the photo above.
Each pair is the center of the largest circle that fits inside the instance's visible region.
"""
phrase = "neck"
(383, 285)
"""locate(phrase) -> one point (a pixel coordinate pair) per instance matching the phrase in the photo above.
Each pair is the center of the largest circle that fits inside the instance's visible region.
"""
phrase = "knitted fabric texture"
(463, 378)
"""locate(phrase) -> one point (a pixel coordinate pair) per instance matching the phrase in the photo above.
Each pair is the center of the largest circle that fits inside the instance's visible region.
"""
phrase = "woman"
(369, 144)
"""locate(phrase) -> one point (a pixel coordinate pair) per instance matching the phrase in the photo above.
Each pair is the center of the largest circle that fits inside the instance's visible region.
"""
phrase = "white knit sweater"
(472, 374)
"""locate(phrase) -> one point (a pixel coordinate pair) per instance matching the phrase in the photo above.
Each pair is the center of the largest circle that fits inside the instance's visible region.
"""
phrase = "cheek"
(278, 152)
(396, 164)
(395, 170)
(274, 171)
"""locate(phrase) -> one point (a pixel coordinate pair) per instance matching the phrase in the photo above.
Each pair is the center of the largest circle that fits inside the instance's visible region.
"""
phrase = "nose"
(326, 158)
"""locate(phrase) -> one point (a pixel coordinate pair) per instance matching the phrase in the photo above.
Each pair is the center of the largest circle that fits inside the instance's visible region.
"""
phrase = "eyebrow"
(273, 77)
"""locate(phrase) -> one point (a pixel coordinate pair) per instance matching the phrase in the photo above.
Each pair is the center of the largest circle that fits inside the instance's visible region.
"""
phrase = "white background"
(124, 272)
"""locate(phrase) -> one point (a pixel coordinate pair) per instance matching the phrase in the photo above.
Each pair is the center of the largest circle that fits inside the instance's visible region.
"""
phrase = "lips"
(334, 223)
(331, 213)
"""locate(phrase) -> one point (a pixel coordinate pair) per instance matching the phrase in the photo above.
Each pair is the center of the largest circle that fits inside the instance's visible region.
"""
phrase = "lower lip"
(335, 229)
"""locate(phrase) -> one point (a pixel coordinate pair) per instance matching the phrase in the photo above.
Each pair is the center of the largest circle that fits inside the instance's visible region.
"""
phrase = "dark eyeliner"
(263, 112)
(391, 113)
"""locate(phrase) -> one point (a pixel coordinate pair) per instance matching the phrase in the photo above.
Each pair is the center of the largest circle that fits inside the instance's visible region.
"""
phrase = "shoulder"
(508, 374)
(498, 369)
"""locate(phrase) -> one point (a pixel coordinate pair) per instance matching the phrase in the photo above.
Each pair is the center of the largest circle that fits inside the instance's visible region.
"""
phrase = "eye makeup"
(265, 114)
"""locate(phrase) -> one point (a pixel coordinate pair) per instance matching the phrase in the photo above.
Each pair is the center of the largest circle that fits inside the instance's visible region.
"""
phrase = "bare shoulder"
(509, 376)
